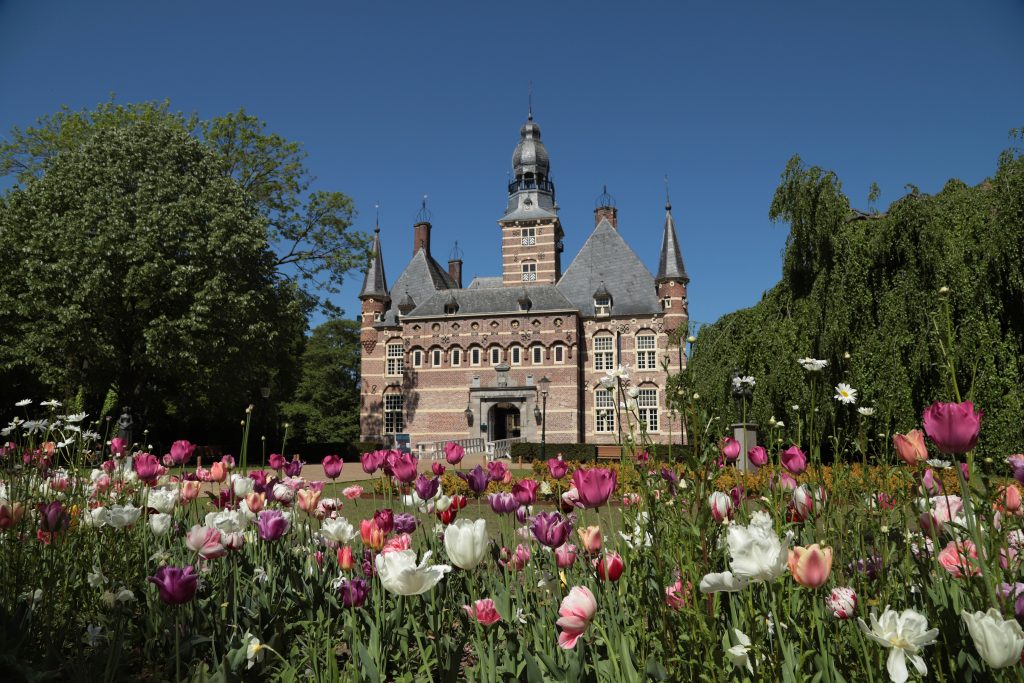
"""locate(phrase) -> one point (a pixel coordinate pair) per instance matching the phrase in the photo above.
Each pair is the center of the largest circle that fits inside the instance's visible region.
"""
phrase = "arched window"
(436, 356)
(516, 355)
(417, 358)
(474, 355)
(456, 357)
(538, 354)
(559, 353)
(495, 355)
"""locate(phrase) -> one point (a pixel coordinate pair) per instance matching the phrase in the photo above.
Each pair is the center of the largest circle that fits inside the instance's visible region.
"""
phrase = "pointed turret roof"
(670, 265)
(375, 284)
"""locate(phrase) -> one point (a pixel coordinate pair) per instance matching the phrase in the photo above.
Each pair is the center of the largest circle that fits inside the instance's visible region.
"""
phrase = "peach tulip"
(910, 446)
(345, 560)
(190, 490)
(960, 559)
(810, 566)
(308, 499)
(255, 501)
(1008, 500)
(218, 472)
(590, 539)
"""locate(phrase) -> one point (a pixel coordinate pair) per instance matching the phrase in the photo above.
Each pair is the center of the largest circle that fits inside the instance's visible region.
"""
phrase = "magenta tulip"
(332, 466)
(372, 461)
(177, 585)
(403, 467)
(385, 520)
(730, 449)
(52, 517)
(147, 467)
(594, 485)
(117, 446)
(953, 427)
(758, 456)
(557, 467)
(437, 468)
(794, 460)
(525, 491)
(497, 470)
(453, 453)
(276, 461)
(181, 452)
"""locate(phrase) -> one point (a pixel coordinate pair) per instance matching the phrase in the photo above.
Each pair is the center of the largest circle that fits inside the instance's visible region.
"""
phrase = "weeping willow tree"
(864, 291)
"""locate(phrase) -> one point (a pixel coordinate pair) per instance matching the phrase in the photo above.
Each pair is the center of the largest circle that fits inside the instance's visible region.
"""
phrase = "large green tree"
(134, 262)
(325, 407)
(861, 290)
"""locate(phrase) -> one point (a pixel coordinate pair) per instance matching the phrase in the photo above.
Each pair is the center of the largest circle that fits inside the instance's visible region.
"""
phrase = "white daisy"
(845, 393)
(23, 402)
(812, 364)
(866, 411)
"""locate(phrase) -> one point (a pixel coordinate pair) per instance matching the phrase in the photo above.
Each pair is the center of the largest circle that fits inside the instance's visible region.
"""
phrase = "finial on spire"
(423, 216)
(529, 108)
(668, 201)
(376, 224)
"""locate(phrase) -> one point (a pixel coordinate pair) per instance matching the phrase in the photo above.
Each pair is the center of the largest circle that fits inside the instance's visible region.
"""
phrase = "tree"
(133, 261)
(325, 407)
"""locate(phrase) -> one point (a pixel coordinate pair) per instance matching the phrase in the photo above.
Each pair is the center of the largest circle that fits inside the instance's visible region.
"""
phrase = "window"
(646, 352)
(559, 354)
(516, 355)
(529, 271)
(417, 358)
(666, 303)
(474, 356)
(538, 355)
(495, 355)
(604, 353)
(451, 309)
(647, 408)
(435, 358)
(604, 409)
(603, 304)
(395, 360)
(529, 236)
(394, 420)
(456, 357)
(378, 316)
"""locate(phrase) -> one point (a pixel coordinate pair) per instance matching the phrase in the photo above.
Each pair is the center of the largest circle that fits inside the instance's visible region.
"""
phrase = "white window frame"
(529, 271)
(646, 351)
(647, 408)
(537, 354)
(456, 357)
(474, 356)
(395, 356)
(417, 358)
(516, 355)
(559, 353)
(436, 358)
(394, 413)
(528, 236)
(604, 411)
(495, 355)
(604, 358)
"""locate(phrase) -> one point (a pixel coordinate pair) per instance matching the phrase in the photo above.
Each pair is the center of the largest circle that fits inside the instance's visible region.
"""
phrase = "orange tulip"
(308, 499)
(910, 446)
(371, 534)
(255, 501)
(590, 539)
(810, 566)
(218, 472)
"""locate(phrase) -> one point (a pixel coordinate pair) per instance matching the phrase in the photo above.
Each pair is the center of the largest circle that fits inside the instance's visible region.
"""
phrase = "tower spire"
(670, 264)
(375, 284)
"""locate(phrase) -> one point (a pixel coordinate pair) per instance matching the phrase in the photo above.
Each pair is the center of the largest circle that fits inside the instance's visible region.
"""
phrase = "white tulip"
(160, 523)
(399, 573)
(241, 485)
(739, 654)
(338, 530)
(757, 553)
(906, 633)
(999, 641)
(227, 521)
(724, 582)
(284, 493)
(96, 516)
(162, 500)
(466, 542)
(121, 516)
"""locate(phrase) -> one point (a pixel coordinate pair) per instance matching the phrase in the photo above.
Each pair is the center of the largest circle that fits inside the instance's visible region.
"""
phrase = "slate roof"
(421, 279)
(532, 213)
(375, 284)
(494, 300)
(606, 258)
(670, 265)
(486, 282)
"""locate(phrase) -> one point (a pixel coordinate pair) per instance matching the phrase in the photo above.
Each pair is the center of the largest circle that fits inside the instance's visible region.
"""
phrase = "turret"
(672, 278)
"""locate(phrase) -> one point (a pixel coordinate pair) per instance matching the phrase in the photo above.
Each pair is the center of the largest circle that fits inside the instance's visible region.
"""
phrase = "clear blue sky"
(394, 100)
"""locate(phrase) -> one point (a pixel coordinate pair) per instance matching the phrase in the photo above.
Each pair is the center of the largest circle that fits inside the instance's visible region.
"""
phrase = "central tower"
(531, 234)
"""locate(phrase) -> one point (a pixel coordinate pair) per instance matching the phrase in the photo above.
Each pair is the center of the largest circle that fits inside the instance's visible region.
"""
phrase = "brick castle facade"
(441, 361)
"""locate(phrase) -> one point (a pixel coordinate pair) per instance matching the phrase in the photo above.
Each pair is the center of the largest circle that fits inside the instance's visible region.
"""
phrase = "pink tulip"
(575, 614)
(594, 485)
(497, 469)
(352, 492)
(520, 558)
(403, 467)
(730, 449)
(218, 472)
(960, 559)
(483, 611)
(277, 461)
(147, 467)
(372, 461)
(453, 453)
(205, 541)
(758, 456)
(570, 500)
(953, 427)
(10, 514)
(1008, 499)
(176, 585)
(810, 566)
(117, 446)
(794, 460)
(910, 446)
(677, 595)
(332, 466)
(609, 567)
(181, 452)
(932, 485)
(721, 506)
(590, 539)
(525, 491)
(190, 489)
(565, 555)
(437, 468)
(397, 543)
(308, 499)
(557, 467)
(783, 481)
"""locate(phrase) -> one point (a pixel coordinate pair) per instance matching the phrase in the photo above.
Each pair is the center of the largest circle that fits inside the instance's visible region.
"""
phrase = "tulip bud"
(842, 602)
(590, 539)
(721, 506)
(345, 560)
(609, 567)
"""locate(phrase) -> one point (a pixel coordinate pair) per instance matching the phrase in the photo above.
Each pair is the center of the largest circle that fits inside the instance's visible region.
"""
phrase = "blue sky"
(394, 100)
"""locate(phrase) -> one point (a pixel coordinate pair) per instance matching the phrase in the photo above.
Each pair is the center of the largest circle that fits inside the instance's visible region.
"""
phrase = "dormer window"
(602, 302)
(451, 307)
(666, 303)
(378, 316)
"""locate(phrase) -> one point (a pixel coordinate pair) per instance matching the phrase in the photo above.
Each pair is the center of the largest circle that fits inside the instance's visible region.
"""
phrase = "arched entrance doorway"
(503, 419)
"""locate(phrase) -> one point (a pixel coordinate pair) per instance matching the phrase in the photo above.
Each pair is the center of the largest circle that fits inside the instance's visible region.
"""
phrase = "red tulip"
(332, 466)
(609, 567)
(910, 446)
(953, 427)
(345, 561)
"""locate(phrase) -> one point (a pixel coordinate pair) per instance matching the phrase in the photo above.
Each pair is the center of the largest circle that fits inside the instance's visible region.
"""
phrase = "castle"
(520, 356)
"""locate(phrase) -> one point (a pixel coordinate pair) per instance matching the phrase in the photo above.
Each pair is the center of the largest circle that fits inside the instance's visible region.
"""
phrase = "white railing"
(502, 448)
(435, 449)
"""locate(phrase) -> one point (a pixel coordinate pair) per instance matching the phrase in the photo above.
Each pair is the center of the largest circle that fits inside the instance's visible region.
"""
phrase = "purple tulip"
(557, 467)
(405, 523)
(477, 478)
(271, 524)
(294, 467)
(181, 452)
(385, 520)
(522, 514)
(794, 460)
(551, 529)
(595, 485)
(525, 491)
(368, 568)
(372, 461)
(869, 567)
(353, 592)
(332, 466)
(426, 488)
(1015, 592)
(670, 477)
(52, 517)
(177, 585)
(953, 427)
(503, 503)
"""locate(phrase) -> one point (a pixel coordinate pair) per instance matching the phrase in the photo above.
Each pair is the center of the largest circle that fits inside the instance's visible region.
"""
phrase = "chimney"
(606, 212)
(421, 237)
(455, 271)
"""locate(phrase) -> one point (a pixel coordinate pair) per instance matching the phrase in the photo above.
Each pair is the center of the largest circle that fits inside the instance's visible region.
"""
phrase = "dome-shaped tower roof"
(530, 155)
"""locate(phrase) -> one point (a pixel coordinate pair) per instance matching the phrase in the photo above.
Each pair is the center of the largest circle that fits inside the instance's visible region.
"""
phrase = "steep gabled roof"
(422, 277)
(605, 257)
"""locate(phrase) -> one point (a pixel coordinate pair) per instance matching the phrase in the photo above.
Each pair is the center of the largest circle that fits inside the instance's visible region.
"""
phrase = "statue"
(124, 425)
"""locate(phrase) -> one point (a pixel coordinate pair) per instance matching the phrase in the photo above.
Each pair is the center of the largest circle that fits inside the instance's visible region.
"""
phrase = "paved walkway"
(353, 471)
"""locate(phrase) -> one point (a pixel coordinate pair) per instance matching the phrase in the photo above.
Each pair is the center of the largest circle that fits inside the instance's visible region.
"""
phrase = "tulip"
(308, 500)
(218, 472)
(353, 592)
(466, 542)
(590, 539)
(176, 585)
(459, 501)
(426, 488)
(447, 516)
(783, 481)
(730, 449)
(405, 523)
(399, 573)
(403, 467)
(345, 561)
(1008, 499)
(477, 479)
(241, 485)
(397, 543)
(953, 427)
(931, 484)
(575, 614)
(52, 517)
(999, 641)
(123, 515)
(1015, 592)
(352, 492)
(794, 460)
(228, 461)
(272, 525)
(147, 467)
(960, 559)
(255, 501)
(497, 469)
(503, 503)
(293, 467)
(910, 446)
(235, 541)
(453, 453)
(372, 535)
(739, 654)
(276, 461)
(339, 530)
(595, 485)
(570, 500)
(10, 514)
(190, 491)
(372, 462)
(870, 567)
(181, 452)
(520, 558)
(721, 506)
(609, 567)
(565, 555)
(385, 520)
(523, 513)
(117, 446)
(671, 479)
(810, 566)
(841, 602)
(332, 466)
(525, 491)
(677, 595)
(758, 456)
(557, 467)
(205, 541)
(551, 529)
(282, 493)
(483, 611)
(437, 468)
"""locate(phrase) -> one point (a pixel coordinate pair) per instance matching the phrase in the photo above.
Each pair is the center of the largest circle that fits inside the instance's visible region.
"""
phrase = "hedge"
(570, 451)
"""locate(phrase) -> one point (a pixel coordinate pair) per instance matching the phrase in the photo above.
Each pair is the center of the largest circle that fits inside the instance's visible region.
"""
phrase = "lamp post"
(544, 385)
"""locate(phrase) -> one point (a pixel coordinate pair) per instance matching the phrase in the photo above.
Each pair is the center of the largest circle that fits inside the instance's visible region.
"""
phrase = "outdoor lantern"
(544, 383)
(468, 412)
(536, 413)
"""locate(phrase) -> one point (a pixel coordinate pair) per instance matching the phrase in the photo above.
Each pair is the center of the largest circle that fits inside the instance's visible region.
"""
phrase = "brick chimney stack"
(455, 271)
(606, 212)
(421, 237)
